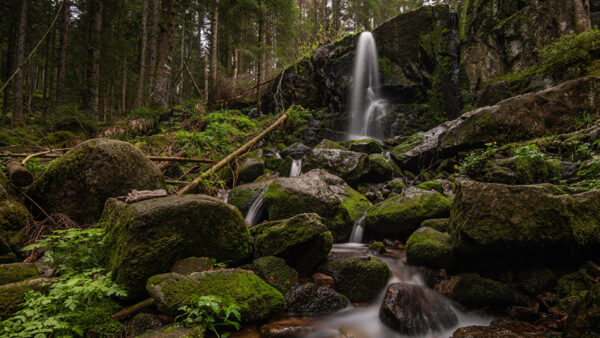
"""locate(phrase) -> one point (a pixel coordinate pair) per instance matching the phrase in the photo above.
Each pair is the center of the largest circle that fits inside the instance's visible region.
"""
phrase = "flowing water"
(357, 231)
(223, 195)
(367, 108)
(296, 168)
(363, 321)
(256, 210)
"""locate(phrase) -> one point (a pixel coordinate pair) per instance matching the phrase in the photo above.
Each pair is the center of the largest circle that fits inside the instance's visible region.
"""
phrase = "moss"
(16, 272)
(376, 247)
(13, 295)
(381, 169)
(584, 319)
(395, 186)
(97, 321)
(407, 143)
(366, 146)
(275, 272)
(141, 323)
(328, 144)
(244, 195)
(572, 287)
(535, 280)
(431, 248)
(473, 291)
(432, 185)
(62, 139)
(176, 330)
(439, 224)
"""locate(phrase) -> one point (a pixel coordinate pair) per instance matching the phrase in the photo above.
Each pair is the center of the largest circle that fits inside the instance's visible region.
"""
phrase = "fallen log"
(165, 164)
(151, 158)
(18, 174)
(132, 310)
(232, 156)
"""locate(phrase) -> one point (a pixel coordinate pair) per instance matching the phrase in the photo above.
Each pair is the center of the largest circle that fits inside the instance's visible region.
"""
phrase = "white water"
(223, 195)
(367, 108)
(256, 210)
(357, 231)
(363, 321)
(296, 168)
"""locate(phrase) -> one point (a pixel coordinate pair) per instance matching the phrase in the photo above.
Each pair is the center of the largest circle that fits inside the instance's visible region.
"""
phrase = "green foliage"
(146, 113)
(476, 159)
(211, 312)
(534, 166)
(35, 165)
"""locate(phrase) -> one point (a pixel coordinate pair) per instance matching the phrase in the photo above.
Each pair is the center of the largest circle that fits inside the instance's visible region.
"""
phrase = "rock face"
(349, 165)
(13, 219)
(401, 215)
(147, 237)
(79, 182)
(257, 300)
(275, 272)
(519, 118)
(303, 241)
(244, 195)
(12, 295)
(431, 248)
(16, 272)
(309, 298)
(415, 310)
(317, 192)
(475, 292)
(584, 320)
(490, 218)
(358, 277)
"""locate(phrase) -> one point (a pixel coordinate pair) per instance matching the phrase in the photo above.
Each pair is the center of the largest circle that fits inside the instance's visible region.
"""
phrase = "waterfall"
(357, 231)
(256, 209)
(296, 168)
(223, 195)
(367, 108)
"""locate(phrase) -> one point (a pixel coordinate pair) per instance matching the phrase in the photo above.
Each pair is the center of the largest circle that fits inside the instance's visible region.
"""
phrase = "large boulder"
(475, 292)
(16, 272)
(303, 241)
(12, 295)
(148, 237)
(317, 192)
(256, 299)
(251, 167)
(402, 214)
(311, 299)
(79, 183)
(431, 248)
(274, 271)
(496, 219)
(349, 165)
(244, 195)
(358, 277)
(584, 319)
(13, 220)
(416, 310)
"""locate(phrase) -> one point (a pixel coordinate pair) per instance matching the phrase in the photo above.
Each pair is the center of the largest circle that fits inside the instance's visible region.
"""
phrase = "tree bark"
(18, 174)
(262, 36)
(17, 114)
(62, 52)
(336, 25)
(214, 33)
(182, 60)
(124, 87)
(152, 48)
(139, 98)
(94, 54)
(160, 85)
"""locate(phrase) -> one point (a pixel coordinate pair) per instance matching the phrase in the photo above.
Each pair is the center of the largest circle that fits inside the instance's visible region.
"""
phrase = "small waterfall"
(357, 231)
(256, 210)
(367, 108)
(223, 195)
(296, 168)
(277, 155)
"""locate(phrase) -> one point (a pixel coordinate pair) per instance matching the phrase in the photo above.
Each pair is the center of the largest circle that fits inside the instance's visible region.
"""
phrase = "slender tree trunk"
(182, 60)
(206, 75)
(262, 36)
(214, 33)
(160, 85)
(94, 53)
(236, 64)
(139, 98)
(124, 87)
(8, 64)
(153, 47)
(30, 87)
(336, 6)
(62, 53)
(17, 116)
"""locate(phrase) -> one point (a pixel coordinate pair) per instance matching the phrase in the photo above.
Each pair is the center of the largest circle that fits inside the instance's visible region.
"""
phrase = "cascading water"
(256, 210)
(296, 168)
(367, 108)
(223, 195)
(357, 232)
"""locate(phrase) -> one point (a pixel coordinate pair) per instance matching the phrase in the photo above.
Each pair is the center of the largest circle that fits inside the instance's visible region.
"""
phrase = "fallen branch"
(18, 174)
(234, 155)
(132, 310)
(46, 154)
(165, 164)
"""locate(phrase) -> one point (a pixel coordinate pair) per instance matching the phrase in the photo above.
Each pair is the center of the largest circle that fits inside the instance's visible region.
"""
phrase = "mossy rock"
(435, 185)
(17, 272)
(358, 277)
(349, 165)
(190, 265)
(430, 248)
(13, 220)
(251, 167)
(97, 322)
(573, 287)
(62, 139)
(311, 299)
(584, 319)
(303, 241)
(535, 280)
(176, 330)
(475, 292)
(396, 186)
(273, 163)
(439, 224)
(141, 323)
(366, 146)
(328, 144)
(317, 192)
(380, 169)
(244, 195)
(13, 295)
(79, 183)
(275, 272)
(401, 215)
(147, 237)
(256, 299)
(405, 144)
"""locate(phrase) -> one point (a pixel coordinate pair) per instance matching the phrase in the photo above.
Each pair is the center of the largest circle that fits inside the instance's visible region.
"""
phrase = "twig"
(132, 310)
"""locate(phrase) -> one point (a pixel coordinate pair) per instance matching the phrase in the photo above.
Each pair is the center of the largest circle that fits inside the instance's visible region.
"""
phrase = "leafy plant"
(476, 159)
(209, 311)
(534, 166)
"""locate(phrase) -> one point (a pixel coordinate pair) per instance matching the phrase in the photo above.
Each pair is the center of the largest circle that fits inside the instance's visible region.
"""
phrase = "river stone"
(244, 195)
(311, 299)
(349, 165)
(380, 169)
(475, 292)
(584, 319)
(148, 237)
(256, 299)
(296, 151)
(484, 331)
(431, 248)
(358, 277)
(303, 241)
(79, 183)
(274, 271)
(317, 192)
(416, 310)
(402, 214)
(251, 167)
(366, 146)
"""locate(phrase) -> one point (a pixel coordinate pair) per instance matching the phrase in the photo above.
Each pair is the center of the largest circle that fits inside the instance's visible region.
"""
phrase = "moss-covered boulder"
(349, 165)
(401, 215)
(380, 169)
(79, 183)
(141, 323)
(146, 238)
(366, 146)
(256, 299)
(275, 272)
(176, 330)
(328, 144)
(13, 295)
(16, 272)
(251, 167)
(431, 248)
(296, 151)
(475, 292)
(13, 219)
(500, 219)
(311, 299)
(584, 319)
(303, 241)
(190, 265)
(317, 192)
(244, 195)
(439, 224)
(533, 280)
(358, 277)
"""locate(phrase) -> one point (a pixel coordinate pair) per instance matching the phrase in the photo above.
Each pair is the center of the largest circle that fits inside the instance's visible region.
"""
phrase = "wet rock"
(358, 277)
(380, 169)
(416, 310)
(584, 320)
(141, 323)
(190, 265)
(79, 183)
(377, 248)
(303, 241)
(17, 272)
(349, 165)
(484, 332)
(317, 192)
(309, 298)
(175, 331)
(475, 292)
(13, 220)
(148, 237)
(321, 279)
(251, 167)
(244, 195)
(288, 328)
(296, 151)
(494, 93)
(402, 214)
(12, 295)
(257, 300)
(439, 224)
(328, 144)
(366, 146)
(275, 272)
(431, 248)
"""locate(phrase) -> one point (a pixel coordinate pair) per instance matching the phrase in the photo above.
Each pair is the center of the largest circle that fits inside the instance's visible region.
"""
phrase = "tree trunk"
(336, 6)
(124, 87)
(153, 46)
(236, 61)
(206, 75)
(17, 116)
(182, 60)
(262, 36)
(62, 53)
(139, 99)
(160, 85)
(7, 72)
(214, 33)
(94, 53)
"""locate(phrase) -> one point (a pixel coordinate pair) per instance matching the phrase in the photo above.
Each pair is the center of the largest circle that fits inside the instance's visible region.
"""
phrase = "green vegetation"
(476, 159)
(210, 312)
(534, 166)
